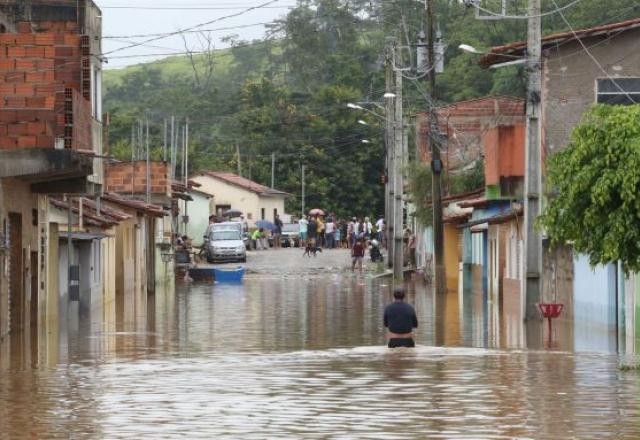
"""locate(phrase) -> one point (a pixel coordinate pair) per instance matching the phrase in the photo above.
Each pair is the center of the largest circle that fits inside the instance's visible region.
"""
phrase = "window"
(618, 91)
(262, 213)
(249, 215)
(275, 213)
(221, 209)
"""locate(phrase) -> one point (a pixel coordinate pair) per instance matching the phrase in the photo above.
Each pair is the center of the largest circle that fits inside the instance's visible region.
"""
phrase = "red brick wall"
(127, 178)
(464, 123)
(37, 65)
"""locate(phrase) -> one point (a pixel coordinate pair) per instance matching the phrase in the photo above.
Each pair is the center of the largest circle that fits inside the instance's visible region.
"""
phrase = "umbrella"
(316, 211)
(265, 224)
(232, 213)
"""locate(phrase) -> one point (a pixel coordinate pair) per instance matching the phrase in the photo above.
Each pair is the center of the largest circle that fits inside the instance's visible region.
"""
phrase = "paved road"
(290, 261)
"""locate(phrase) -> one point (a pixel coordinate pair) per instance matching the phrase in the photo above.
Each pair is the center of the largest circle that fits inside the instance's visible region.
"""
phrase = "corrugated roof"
(502, 217)
(245, 183)
(147, 208)
(89, 215)
(500, 54)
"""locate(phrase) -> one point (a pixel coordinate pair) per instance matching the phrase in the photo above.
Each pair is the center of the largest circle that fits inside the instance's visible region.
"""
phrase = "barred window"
(618, 91)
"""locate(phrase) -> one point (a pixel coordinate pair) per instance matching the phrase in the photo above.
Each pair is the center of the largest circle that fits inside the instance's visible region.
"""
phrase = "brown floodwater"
(303, 357)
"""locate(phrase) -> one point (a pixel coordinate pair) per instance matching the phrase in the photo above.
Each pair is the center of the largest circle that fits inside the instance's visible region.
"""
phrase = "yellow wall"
(16, 197)
(452, 256)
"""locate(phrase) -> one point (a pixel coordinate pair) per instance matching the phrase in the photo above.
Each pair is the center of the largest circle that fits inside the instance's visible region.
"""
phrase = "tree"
(596, 188)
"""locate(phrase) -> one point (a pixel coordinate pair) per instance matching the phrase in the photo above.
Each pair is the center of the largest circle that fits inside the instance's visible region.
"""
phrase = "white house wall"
(248, 202)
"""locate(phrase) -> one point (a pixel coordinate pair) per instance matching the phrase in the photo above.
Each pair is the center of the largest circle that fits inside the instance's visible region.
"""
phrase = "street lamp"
(361, 122)
(469, 49)
(354, 106)
(517, 60)
(389, 95)
(365, 141)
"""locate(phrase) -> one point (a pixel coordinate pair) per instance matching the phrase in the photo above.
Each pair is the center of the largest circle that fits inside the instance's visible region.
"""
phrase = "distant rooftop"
(245, 183)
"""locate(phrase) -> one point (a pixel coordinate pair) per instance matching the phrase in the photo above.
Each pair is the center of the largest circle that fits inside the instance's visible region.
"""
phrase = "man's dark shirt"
(400, 317)
(312, 229)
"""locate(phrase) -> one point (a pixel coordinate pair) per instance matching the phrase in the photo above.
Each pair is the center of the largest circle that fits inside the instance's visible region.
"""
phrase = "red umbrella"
(316, 211)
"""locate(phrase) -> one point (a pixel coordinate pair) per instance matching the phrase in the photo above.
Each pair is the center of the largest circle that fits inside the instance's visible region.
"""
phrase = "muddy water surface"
(301, 355)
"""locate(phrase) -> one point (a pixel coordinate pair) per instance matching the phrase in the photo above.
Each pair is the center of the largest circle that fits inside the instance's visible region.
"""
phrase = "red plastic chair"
(549, 311)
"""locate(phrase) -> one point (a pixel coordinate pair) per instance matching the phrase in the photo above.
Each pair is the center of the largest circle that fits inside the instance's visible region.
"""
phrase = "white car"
(226, 245)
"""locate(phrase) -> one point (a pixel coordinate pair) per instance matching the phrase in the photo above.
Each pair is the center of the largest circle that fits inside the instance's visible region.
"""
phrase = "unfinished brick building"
(463, 124)
(50, 139)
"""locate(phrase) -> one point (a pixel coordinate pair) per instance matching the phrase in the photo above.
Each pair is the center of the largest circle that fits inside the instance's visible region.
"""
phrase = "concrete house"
(572, 81)
(256, 201)
(50, 138)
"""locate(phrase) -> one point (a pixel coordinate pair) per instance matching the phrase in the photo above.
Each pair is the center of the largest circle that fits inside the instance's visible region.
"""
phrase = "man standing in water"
(400, 320)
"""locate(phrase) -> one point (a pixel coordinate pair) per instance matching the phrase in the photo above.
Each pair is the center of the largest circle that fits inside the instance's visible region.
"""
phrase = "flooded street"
(297, 351)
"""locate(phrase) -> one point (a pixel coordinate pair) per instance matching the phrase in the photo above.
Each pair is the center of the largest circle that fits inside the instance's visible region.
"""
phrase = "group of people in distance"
(356, 235)
(332, 233)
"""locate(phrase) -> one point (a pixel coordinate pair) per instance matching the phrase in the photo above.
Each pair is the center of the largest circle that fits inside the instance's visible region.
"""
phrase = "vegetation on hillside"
(287, 94)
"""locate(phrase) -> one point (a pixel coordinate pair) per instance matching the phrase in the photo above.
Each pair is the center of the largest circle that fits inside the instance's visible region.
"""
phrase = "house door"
(33, 305)
(494, 269)
(16, 293)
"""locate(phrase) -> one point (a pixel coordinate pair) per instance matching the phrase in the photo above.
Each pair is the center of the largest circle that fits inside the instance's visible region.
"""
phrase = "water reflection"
(303, 356)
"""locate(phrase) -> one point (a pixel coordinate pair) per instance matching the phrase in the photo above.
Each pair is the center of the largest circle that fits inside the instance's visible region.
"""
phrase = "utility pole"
(171, 159)
(186, 175)
(436, 162)
(533, 176)
(238, 156)
(186, 153)
(273, 170)
(303, 190)
(398, 181)
(133, 158)
(148, 171)
(389, 127)
(164, 140)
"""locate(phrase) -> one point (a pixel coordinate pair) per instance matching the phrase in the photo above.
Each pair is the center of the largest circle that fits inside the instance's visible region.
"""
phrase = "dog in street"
(311, 249)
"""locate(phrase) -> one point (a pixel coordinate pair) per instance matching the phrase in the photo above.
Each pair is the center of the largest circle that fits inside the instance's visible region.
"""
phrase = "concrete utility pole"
(436, 162)
(302, 190)
(398, 181)
(238, 157)
(148, 170)
(273, 170)
(533, 176)
(186, 175)
(389, 127)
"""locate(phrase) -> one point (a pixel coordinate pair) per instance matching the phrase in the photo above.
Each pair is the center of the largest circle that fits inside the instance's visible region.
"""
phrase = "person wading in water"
(400, 320)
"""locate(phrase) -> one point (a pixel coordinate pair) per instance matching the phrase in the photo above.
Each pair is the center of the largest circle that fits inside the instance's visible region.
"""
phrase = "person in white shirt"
(351, 229)
(367, 226)
(380, 229)
(330, 233)
(303, 224)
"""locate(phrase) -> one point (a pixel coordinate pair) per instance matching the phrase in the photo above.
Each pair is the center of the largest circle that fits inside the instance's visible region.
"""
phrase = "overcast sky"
(121, 19)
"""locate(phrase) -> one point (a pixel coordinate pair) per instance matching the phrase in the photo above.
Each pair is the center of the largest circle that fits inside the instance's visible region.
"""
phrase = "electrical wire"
(227, 28)
(180, 31)
(526, 17)
(593, 58)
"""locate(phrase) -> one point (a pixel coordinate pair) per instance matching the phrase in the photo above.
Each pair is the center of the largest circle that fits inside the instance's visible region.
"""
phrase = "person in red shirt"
(357, 254)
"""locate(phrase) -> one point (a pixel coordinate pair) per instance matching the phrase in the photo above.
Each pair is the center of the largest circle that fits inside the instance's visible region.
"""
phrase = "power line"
(227, 28)
(593, 58)
(192, 8)
(169, 34)
(524, 17)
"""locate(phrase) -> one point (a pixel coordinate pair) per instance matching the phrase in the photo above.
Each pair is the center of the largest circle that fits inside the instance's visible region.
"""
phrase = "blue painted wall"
(595, 312)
